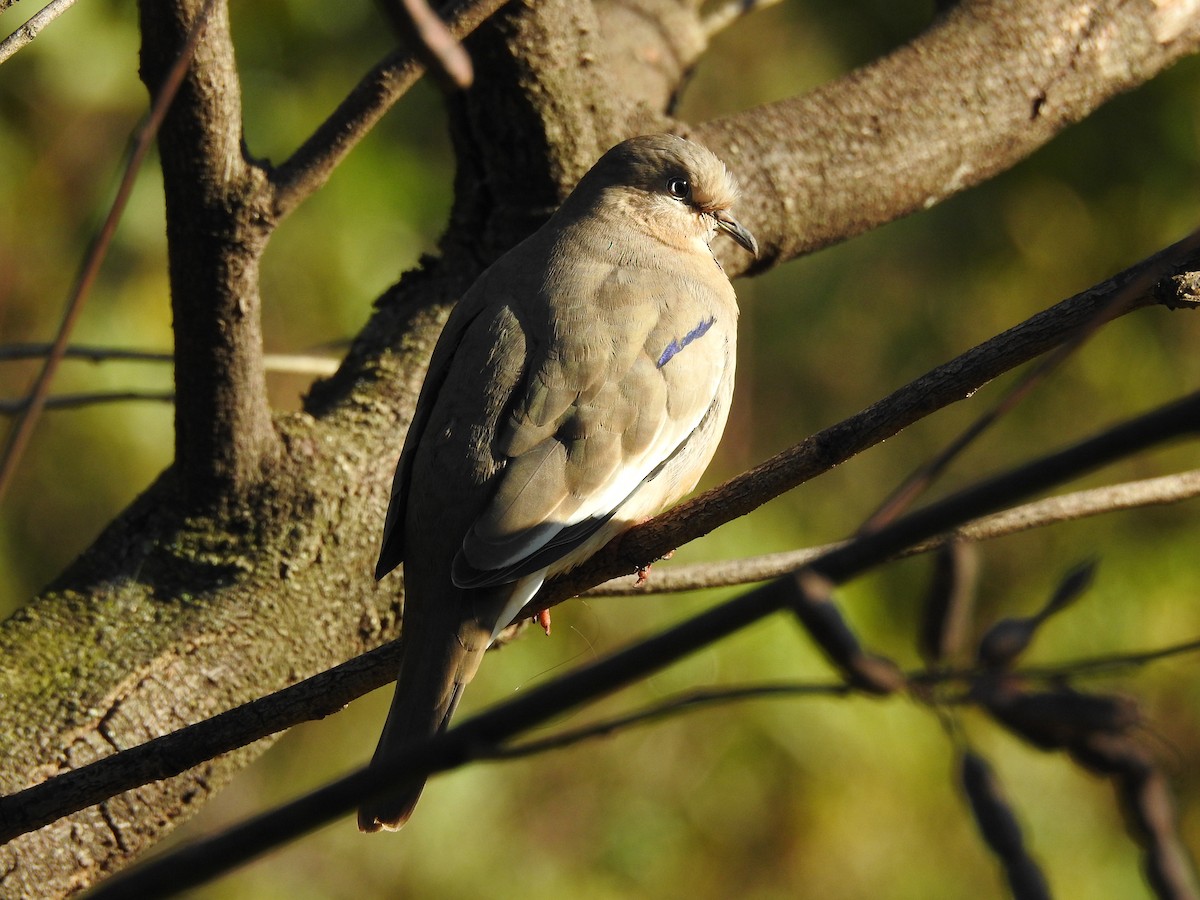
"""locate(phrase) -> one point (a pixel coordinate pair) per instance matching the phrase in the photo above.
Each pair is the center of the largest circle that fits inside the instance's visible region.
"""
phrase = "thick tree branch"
(223, 430)
(988, 84)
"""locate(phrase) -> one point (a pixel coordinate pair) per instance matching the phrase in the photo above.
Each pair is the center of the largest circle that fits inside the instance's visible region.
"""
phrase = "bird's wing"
(468, 309)
(602, 407)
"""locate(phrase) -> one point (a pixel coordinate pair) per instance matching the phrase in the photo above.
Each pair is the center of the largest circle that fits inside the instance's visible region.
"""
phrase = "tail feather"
(438, 661)
(390, 811)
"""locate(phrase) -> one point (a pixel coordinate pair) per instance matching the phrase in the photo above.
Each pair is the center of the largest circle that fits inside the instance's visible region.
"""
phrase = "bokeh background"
(804, 797)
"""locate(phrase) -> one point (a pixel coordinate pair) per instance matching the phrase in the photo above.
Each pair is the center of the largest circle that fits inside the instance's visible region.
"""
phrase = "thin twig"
(295, 363)
(19, 437)
(693, 700)
(19, 352)
(1106, 665)
(310, 166)
(27, 32)
(1052, 511)
(422, 30)
(78, 401)
(927, 678)
(913, 486)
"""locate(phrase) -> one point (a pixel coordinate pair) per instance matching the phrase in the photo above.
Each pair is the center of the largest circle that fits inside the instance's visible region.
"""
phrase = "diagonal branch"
(302, 174)
(326, 693)
(1038, 514)
(164, 93)
(24, 35)
(920, 480)
(948, 383)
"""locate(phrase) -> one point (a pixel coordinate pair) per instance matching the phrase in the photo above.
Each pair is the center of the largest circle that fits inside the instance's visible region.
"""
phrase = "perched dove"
(579, 386)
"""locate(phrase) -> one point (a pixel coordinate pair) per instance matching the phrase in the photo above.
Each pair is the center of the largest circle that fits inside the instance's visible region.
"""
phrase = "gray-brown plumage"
(580, 386)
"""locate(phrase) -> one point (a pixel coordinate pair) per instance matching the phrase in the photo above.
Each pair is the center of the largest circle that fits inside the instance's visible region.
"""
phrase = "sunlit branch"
(1039, 514)
(25, 34)
(912, 487)
(421, 29)
(294, 363)
(949, 383)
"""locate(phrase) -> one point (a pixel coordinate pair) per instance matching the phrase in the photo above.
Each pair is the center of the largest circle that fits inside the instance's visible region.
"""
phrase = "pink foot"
(643, 572)
(543, 619)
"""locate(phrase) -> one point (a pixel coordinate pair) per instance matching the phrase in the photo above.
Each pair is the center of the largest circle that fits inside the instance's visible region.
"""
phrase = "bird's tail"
(433, 672)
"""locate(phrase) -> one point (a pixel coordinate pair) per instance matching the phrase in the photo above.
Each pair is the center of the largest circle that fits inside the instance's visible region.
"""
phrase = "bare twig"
(78, 401)
(913, 486)
(24, 35)
(310, 166)
(296, 363)
(18, 352)
(423, 31)
(300, 364)
(1052, 511)
(692, 700)
(96, 252)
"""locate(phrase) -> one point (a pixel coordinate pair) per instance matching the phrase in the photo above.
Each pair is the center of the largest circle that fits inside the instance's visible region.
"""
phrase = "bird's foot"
(543, 619)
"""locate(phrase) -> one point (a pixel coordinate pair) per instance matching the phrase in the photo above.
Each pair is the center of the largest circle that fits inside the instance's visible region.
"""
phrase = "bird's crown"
(669, 165)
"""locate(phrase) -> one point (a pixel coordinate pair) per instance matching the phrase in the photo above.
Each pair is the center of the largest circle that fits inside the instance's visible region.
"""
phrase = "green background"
(803, 797)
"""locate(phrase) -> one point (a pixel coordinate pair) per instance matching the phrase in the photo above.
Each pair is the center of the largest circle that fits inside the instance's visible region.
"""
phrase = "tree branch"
(24, 35)
(306, 170)
(299, 363)
(328, 692)
(948, 383)
(215, 239)
(1053, 511)
(986, 85)
(165, 596)
(78, 401)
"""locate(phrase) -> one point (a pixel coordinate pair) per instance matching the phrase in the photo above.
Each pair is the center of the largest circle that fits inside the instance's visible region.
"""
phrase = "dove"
(579, 386)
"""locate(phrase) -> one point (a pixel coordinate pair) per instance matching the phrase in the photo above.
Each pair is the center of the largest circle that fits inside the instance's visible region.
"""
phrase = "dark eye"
(678, 187)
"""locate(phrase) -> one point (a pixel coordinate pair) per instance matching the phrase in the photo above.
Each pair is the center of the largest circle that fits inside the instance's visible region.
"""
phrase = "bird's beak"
(734, 229)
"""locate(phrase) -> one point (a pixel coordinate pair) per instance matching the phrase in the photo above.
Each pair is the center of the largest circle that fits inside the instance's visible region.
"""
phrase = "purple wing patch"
(678, 344)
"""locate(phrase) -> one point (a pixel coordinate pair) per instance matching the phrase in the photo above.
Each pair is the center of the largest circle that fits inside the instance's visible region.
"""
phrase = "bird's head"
(668, 187)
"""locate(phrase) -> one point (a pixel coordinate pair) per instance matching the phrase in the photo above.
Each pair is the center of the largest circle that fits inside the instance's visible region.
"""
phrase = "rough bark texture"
(182, 609)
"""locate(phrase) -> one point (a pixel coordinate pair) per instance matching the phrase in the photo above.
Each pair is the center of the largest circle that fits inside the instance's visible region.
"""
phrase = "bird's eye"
(679, 188)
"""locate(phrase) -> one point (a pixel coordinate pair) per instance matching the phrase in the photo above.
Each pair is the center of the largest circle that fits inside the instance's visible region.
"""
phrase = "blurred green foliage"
(820, 798)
